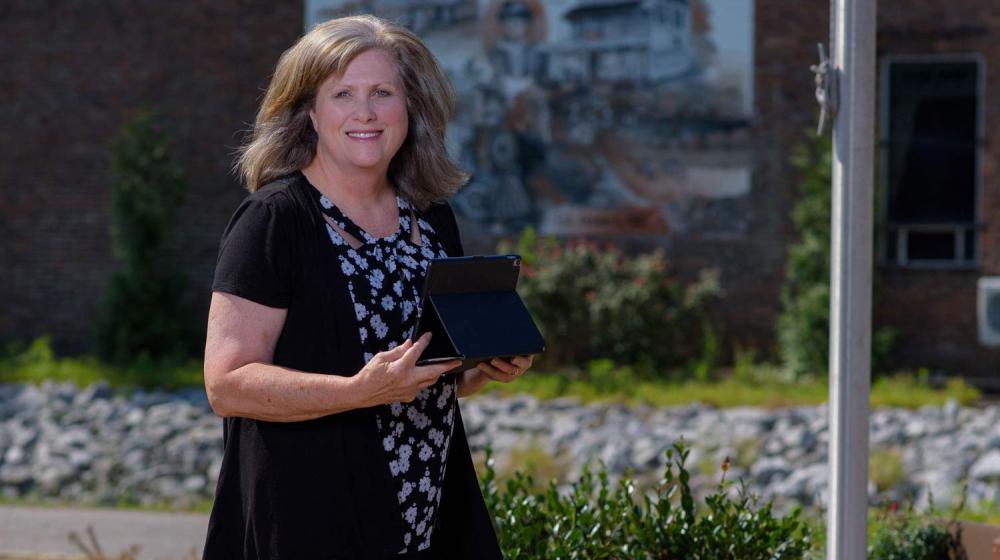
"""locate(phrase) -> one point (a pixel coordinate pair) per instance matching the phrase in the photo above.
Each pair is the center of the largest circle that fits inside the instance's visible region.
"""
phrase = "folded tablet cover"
(472, 310)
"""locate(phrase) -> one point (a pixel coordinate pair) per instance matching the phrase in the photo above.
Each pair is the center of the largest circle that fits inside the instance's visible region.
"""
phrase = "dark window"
(931, 156)
(931, 246)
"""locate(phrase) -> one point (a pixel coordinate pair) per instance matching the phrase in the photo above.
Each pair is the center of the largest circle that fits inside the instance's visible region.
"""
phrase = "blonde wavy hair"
(283, 139)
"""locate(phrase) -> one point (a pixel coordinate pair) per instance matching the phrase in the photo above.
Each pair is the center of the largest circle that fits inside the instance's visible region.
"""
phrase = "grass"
(746, 384)
(38, 363)
(765, 388)
(885, 468)
(987, 512)
(201, 505)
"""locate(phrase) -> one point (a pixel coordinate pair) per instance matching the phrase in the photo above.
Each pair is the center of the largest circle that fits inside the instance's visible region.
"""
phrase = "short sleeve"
(256, 255)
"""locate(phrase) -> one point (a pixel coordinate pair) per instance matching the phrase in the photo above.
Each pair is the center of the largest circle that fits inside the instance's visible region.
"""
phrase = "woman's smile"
(365, 135)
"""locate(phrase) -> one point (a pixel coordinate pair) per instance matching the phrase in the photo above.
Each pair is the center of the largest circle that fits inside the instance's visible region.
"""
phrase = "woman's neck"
(356, 190)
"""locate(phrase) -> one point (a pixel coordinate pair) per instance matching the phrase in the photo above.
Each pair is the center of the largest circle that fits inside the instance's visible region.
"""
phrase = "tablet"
(470, 306)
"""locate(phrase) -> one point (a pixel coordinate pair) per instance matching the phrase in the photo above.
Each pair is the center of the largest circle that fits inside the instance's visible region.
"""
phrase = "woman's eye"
(382, 93)
(344, 93)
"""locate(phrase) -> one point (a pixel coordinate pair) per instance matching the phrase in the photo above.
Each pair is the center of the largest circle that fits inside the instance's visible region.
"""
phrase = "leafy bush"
(37, 362)
(142, 313)
(804, 323)
(905, 535)
(598, 520)
(596, 302)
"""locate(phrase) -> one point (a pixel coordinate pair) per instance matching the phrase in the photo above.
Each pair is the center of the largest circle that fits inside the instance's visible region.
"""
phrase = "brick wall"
(73, 72)
(934, 311)
(785, 38)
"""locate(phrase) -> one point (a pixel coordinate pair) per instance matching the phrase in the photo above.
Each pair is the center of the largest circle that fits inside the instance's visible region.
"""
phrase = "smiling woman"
(337, 444)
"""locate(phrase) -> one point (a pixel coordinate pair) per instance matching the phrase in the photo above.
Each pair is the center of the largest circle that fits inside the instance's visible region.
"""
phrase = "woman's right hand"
(394, 376)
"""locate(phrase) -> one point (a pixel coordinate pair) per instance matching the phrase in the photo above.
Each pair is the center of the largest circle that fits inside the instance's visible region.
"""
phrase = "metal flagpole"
(853, 72)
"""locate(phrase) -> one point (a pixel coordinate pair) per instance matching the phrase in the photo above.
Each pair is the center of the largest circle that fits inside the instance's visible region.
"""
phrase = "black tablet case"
(470, 306)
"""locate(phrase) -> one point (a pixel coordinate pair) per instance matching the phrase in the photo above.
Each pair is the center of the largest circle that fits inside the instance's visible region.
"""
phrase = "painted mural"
(592, 117)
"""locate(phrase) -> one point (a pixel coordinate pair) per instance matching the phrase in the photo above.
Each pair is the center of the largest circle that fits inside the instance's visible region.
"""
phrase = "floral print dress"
(385, 276)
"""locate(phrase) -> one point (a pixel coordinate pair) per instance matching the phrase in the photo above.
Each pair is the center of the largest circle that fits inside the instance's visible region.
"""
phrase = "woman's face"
(360, 117)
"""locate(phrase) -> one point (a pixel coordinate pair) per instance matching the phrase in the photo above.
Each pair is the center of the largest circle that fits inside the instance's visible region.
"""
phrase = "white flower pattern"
(384, 278)
(381, 329)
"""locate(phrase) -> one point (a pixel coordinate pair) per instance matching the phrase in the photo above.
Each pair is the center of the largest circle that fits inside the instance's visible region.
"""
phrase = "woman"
(337, 445)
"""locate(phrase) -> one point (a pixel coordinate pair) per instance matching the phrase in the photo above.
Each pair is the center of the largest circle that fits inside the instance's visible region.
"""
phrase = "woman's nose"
(365, 111)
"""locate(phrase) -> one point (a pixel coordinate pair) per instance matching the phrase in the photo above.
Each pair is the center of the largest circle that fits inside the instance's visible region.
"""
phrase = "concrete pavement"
(39, 532)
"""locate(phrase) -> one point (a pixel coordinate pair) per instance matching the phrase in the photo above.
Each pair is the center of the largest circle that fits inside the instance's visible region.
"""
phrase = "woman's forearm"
(277, 394)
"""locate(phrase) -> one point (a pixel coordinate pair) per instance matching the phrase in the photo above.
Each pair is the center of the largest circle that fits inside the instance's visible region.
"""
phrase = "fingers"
(395, 353)
(426, 376)
(412, 354)
(505, 366)
(506, 371)
(523, 362)
(495, 373)
(432, 372)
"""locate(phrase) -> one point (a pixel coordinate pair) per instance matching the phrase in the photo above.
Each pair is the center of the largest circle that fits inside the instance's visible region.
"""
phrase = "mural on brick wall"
(592, 116)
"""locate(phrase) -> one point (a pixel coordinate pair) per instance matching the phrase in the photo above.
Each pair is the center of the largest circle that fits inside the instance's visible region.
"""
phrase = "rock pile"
(95, 446)
(89, 445)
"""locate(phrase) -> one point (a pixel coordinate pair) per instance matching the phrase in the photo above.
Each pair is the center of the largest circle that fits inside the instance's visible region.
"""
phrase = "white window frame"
(959, 229)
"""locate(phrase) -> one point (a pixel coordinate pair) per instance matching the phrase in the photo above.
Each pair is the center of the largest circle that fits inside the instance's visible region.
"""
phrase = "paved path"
(45, 532)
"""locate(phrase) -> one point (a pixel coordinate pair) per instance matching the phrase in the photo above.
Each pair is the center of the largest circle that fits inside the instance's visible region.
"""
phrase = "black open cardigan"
(321, 488)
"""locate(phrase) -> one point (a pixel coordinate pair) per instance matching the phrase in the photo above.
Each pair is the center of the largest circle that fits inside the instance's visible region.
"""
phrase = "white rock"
(987, 467)
(768, 468)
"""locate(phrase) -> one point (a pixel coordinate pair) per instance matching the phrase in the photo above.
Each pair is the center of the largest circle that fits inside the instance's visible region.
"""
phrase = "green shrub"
(803, 327)
(143, 315)
(595, 302)
(905, 535)
(598, 520)
(37, 363)
(804, 322)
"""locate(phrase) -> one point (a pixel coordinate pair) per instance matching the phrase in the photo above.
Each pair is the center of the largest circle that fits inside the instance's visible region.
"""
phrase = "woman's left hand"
(506, 371)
